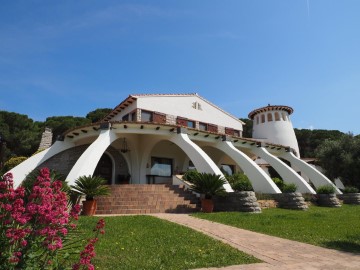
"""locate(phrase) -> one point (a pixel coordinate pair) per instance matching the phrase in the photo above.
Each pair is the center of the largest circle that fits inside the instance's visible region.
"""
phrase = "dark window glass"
(146, 116)
(125, 117)
(203, 126)
(228, 169)
(191, 124)
(133, 116)
(161, 166)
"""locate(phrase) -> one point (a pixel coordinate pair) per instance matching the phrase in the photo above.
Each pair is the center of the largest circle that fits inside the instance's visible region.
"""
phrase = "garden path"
(276, 253)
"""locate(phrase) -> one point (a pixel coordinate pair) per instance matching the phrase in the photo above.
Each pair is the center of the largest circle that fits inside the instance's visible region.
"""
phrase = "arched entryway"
(105, 168)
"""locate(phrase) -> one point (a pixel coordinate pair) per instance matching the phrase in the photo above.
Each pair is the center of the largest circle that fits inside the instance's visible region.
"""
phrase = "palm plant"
(208, 184)
(90, 186)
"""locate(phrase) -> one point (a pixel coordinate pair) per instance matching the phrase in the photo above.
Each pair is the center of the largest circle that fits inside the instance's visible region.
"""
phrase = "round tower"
(272, 124)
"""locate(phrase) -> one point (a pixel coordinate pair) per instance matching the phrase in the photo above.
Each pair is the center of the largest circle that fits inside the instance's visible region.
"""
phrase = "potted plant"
(243, 199)
(351, 195)
(290, 199)
(208, 185)
(326, 196)
(90, 186)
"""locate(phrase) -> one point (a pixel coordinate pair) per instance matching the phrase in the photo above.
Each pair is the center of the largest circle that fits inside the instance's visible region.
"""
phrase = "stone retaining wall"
(244, 201)
(267, 203)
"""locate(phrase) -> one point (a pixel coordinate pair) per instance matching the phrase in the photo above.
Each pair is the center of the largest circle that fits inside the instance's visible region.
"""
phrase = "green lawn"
(337, 228)
(145, 242)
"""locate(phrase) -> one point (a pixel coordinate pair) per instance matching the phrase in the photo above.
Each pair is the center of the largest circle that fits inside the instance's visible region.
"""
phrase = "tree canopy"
(247, 128)
(60, 124)
(341, 159)
(309, 140)
(20, 134)
(98, 114)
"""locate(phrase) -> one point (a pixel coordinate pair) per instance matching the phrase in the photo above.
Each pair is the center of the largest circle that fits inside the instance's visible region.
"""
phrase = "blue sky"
(71, 57)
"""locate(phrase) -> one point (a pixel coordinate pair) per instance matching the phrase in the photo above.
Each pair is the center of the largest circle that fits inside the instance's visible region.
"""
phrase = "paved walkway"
(276, 253)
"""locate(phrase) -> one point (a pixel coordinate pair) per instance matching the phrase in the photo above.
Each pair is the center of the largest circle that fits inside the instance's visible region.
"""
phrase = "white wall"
(183, 106)
(277, 132)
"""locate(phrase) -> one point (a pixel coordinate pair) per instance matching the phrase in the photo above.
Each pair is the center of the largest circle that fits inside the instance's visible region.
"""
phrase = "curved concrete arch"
(201, 160)
(87, 162)
(219, 157)
(286, 172)
(316, 177)
(260, 180)
(23, 169)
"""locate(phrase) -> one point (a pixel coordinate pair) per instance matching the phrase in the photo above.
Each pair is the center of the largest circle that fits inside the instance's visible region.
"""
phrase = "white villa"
(151, 138)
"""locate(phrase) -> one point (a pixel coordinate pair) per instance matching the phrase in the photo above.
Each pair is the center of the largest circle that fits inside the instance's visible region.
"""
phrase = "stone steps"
(145, 199)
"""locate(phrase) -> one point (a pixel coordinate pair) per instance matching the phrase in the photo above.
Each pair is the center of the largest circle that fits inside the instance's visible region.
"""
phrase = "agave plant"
(208, 184)
(90, 186)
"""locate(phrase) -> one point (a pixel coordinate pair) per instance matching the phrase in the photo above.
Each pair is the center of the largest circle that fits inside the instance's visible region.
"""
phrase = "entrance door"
(104, 168)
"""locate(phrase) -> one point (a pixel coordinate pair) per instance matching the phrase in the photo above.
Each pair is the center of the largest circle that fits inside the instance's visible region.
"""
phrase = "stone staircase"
(145, 199)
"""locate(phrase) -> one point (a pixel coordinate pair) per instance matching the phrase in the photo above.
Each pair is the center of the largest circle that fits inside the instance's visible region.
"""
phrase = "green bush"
(350, 189)
(239, 182)
(13, 162)
(279, 182)
(289, 188)
(190, 175)
(326, 189)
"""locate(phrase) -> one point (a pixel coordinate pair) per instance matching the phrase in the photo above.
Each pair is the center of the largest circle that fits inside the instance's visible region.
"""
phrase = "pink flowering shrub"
(89, 252)
(34, 227)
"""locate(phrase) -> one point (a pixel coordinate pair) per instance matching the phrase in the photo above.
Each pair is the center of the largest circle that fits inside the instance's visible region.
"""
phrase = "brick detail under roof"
(159, 118)
(212, 128)
(229, 131)
(181, 121)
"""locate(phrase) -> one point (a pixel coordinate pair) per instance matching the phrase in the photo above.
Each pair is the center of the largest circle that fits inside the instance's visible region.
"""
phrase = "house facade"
(152, 138)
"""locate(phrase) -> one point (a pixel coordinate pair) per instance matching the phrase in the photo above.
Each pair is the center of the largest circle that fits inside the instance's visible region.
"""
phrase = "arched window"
(263, 118)
(269, 117)
(277, 116)
(257, 120)
(284, 116)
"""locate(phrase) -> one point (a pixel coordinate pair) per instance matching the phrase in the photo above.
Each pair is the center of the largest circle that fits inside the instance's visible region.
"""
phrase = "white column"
(88, 161)
(24, 168)
(316, 177)
(287, 173)
(260, 181)
(201, 160)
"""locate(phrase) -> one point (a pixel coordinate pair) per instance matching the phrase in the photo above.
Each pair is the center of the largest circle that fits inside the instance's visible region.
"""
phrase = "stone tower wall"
(46, 139)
